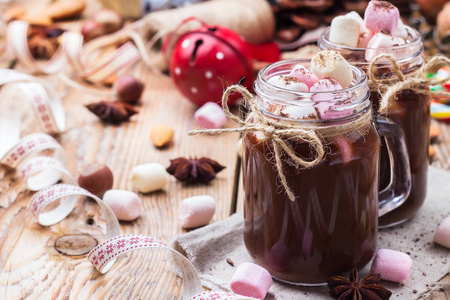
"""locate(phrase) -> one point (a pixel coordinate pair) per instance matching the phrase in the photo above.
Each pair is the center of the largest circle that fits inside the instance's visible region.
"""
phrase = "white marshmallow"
(344, 30)
(329, 63)
(355, 16)
(196, 211)
(401, 31)
(127, 206)
(383, 43)
(299, 112)
(149, 177)
(288, 82)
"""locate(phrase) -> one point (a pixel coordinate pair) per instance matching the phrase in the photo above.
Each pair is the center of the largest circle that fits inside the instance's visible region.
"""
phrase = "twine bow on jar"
(280, 132)
(414, 82)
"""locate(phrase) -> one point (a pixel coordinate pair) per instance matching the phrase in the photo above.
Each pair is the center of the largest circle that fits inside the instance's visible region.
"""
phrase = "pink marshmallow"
(126, 205)
(442, 234)
(210, 116)
(326, 106)
(384, 43)
(196, 211)
(364, 38)
(251, 280)
(391, 265)
(325, 85)
(381, 15)
(345, 147)
(305, 75)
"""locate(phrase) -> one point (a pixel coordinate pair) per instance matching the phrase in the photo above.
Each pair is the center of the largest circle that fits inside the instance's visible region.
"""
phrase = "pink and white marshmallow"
(305, 75)
(391, 265)
(329, 63)
(328, 105)
(383, 42)
(288, 82)
(401, 31)
(251, 280)
(196, 211)
(364, 34)
(344, 30)
(442, 234)
(126, 205)
(210, 116)
(381, 16)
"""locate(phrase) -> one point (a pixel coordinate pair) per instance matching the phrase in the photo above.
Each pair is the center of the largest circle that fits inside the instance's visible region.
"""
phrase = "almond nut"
(161, 135)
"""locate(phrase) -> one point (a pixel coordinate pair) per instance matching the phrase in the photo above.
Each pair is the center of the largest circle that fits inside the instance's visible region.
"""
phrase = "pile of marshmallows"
(127, 206)
(329, 72)
(381, 28)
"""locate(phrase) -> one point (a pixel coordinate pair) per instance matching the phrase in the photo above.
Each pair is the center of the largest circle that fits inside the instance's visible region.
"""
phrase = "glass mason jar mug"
(411, 111)
(331, 226)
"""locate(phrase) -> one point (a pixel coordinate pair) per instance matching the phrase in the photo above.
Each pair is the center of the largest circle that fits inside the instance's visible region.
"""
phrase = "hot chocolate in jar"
(389, 52)
(310, 169)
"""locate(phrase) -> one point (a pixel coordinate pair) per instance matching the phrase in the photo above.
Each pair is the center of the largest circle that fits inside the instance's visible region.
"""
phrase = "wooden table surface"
(32, 268)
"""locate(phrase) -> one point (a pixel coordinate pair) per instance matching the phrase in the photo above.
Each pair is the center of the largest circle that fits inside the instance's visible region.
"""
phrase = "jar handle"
(399, 186)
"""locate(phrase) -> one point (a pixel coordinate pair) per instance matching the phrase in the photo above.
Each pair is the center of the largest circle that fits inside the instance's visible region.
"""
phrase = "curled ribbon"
(42, 172)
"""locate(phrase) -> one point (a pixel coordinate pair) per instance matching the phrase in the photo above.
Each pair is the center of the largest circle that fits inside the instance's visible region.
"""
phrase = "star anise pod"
(112, 111)
(194, 169)
(355, 289)
(43, 41)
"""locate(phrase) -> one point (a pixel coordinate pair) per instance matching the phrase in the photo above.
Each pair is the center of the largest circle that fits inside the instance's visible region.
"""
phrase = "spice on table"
(201, 170)
(112, 111)
(365, 289)
(161, 135)
(43, 41)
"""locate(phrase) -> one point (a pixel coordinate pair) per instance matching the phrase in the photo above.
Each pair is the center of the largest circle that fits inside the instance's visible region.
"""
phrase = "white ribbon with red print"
(71, 51)
(104, 256)
(41, 173)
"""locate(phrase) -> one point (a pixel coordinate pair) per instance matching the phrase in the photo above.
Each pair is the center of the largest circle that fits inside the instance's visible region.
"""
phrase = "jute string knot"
(280, 132)
(416, 81)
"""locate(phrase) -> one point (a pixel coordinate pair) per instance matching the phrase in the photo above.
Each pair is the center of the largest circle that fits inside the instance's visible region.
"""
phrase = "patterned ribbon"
(70, 52)
(42, 172)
